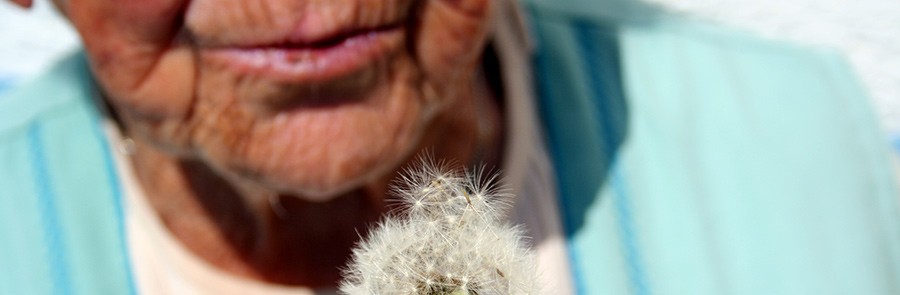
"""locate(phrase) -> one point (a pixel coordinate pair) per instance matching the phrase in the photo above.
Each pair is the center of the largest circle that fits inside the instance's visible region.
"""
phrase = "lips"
(319, 61)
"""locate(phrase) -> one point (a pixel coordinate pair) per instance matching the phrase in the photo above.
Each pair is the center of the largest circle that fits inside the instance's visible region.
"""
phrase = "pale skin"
(267, 132)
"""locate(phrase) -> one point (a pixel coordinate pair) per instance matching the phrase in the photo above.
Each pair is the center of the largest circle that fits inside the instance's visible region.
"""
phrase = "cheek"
(136, 54)
(451, 36)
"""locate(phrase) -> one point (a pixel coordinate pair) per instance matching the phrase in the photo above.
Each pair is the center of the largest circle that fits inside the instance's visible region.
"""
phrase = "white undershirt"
(161, 265)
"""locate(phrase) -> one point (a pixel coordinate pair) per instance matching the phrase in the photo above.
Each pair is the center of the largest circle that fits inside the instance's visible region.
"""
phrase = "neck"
(261, 235)
(267, 236)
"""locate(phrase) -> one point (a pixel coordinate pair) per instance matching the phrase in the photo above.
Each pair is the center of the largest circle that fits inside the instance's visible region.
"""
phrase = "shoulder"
(699, 151)
(47, 125)
(60, 216)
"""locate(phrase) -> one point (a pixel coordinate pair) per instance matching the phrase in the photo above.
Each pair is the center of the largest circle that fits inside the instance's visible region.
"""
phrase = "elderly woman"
(246, 145)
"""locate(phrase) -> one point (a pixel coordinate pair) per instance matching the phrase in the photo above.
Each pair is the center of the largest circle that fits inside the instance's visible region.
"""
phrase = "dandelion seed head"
(450, 238)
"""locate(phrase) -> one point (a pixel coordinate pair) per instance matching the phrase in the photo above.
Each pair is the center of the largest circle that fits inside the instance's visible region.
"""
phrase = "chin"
(320, 179)
(317, 152)
(311, 139)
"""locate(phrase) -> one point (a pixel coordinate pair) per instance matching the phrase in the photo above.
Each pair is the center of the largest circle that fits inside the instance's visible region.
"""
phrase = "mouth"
(317, 61)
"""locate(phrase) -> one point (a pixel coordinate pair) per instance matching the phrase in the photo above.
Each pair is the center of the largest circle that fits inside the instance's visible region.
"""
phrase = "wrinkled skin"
(222, 129)
(153, 59)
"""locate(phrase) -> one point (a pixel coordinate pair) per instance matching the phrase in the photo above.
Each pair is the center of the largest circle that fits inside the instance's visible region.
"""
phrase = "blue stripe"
(116, 187)
(599, 47)
(627, 232)
(47, 202)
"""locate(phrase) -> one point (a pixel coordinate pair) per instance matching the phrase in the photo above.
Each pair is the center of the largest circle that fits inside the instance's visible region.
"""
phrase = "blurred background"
(866, 32)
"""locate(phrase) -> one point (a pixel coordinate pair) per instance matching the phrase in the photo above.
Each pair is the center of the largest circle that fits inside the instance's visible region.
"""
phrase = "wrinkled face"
(307, 96)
